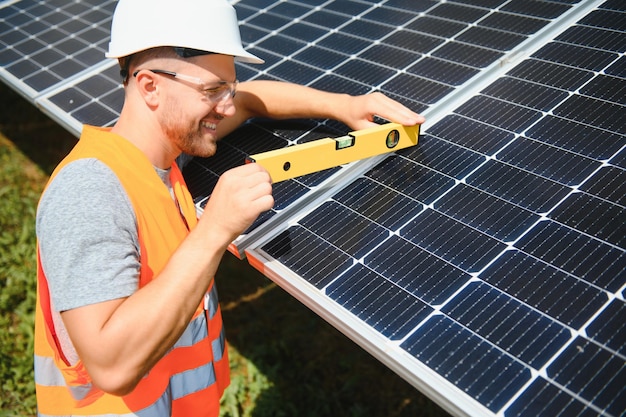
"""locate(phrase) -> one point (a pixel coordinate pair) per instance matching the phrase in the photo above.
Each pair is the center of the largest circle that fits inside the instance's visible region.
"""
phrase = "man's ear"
(148, 87)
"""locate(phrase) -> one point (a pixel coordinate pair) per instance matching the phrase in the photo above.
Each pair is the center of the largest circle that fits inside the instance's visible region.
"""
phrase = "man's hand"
(359, 111)
(240, 196)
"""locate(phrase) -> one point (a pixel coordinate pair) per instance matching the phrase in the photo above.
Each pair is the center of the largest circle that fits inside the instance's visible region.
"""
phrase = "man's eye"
(215, 90)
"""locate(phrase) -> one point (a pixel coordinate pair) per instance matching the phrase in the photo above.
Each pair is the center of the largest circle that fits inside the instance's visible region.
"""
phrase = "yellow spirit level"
(317, 155)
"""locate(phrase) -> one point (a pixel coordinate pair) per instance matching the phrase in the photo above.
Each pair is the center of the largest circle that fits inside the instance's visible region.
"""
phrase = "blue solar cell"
(499, 113)
(411, 179)
(594, 112)
(490, 38)
(393, 17)
(578, 254)
(294, 248)
(387, 308)
(471, 134)
(576, 137)
(550, 74)
(326, 19)
(513, 23)
(304, 32)
(538, 8)
(453, 352)
(518, 187)
(461, 245)
(548, 161)
(321, 58)
(345, 44)
(442, 71)
(489, 214)
(352, 232)
(289, 10)
(437, 27)
(417, 271)
(281, 45)
(607, 88)
(349, 7)
(295, 72)
(542, 286)
(609, 183)
(444, 157)
(367, 30)
(378, 203)
(472, 56)
(595, 38)
(618, 68)
(458, 12)
(594, 373)
(543, 399)
(507, 323)
(365, 72)
(525, 93)
(593, 216)
(575, 56)
(609, 328)
(389, 56)
(413, 41)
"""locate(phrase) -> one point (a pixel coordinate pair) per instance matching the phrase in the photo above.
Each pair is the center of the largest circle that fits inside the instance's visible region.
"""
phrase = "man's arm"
(281, 100)
(120, 340)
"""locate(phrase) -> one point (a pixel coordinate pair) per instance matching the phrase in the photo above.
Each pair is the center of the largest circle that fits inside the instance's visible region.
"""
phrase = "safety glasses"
(215, 92)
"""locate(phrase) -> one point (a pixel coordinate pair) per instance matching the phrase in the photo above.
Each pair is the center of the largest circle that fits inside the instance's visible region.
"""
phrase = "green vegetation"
(285, 360)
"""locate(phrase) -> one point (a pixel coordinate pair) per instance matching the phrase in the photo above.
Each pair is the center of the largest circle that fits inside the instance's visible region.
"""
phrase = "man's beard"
(187, 136)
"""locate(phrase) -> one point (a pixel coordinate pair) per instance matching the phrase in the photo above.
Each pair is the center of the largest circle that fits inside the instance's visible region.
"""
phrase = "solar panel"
(487, 265)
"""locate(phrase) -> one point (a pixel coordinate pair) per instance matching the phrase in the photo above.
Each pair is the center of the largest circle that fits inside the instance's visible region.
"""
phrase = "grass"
(285, 360)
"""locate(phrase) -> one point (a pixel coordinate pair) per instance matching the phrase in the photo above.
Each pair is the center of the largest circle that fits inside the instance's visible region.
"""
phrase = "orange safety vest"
(190, 379)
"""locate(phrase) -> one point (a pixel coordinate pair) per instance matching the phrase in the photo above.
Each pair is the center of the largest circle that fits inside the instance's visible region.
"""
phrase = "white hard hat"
(205, 25)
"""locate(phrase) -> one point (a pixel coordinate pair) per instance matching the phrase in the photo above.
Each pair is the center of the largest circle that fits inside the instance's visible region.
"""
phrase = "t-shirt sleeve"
(87, 235)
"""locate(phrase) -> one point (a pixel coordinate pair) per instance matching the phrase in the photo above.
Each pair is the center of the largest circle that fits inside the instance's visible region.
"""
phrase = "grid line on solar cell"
(487, 213)
(592, 372)
(443, 156)
(516, 186)
(576, 137)
(548, 161)
(387, 308)
(581, 255)
(453, 351)
(609, 328)
(559, 295)
(593, 216)
(419, 272)
(609, 184)
(294, 248)
(507, 323)
(458, 244)
(381, 204)
(544, 399)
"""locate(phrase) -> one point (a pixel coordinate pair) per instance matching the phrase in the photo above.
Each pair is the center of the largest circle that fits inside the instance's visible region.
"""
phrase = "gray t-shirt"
(87, 234)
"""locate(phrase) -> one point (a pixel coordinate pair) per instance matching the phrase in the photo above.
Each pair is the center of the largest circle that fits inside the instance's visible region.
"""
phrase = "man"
(128, 321)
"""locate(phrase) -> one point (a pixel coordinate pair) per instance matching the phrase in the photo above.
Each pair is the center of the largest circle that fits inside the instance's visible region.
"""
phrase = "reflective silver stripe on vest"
(218, 346)
(47, 374)
(211, 301)
(191, 381)
(195, 332)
